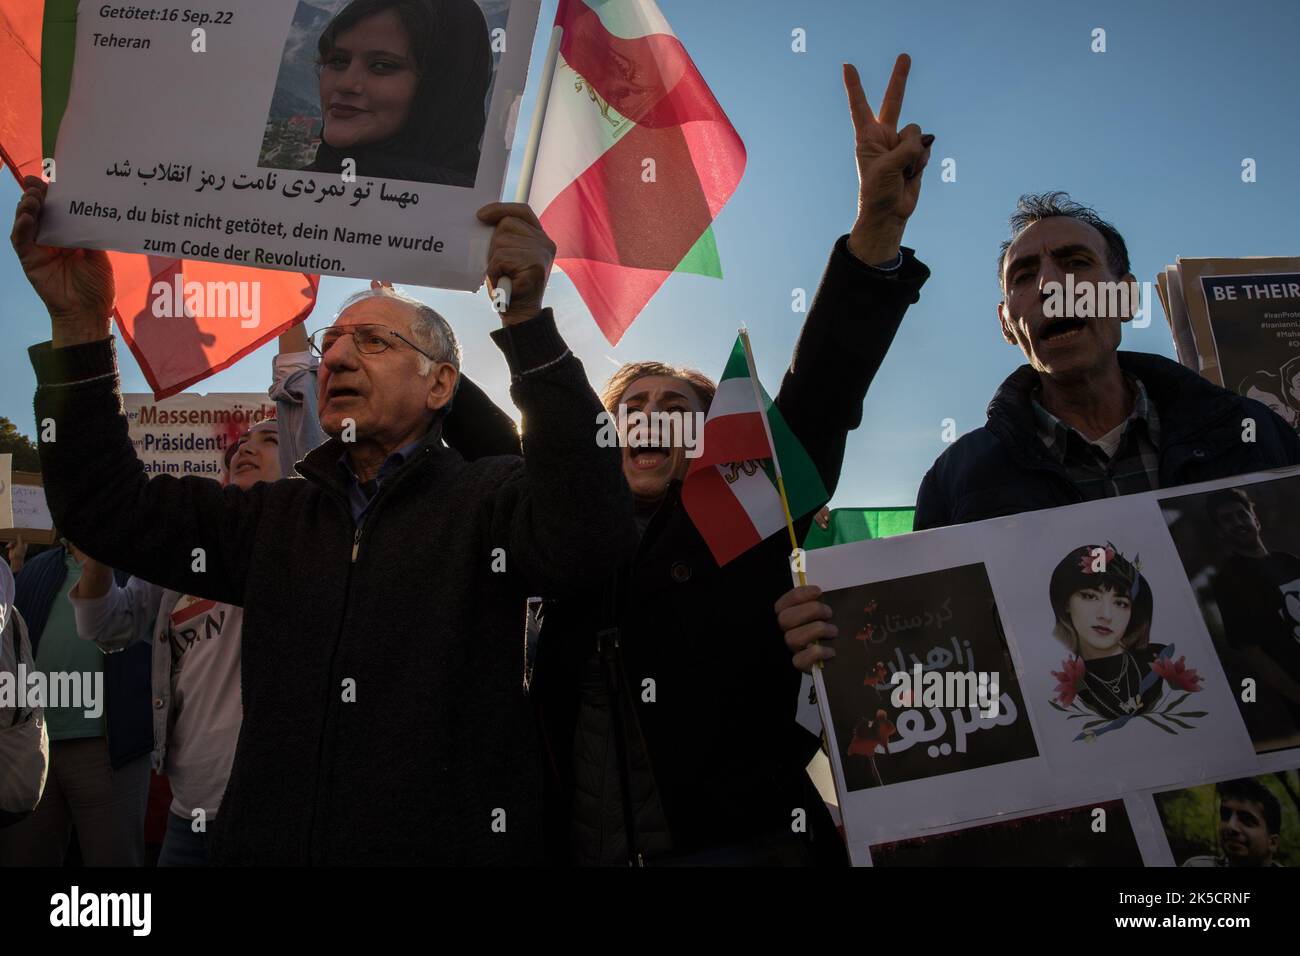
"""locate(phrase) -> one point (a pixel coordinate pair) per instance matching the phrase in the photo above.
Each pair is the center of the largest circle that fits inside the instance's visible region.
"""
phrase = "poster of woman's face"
(386, 89)
(1114, 673)
(1118, 673)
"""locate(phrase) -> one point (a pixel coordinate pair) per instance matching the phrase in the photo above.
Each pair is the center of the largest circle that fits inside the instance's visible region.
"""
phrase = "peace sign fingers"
(893, 102)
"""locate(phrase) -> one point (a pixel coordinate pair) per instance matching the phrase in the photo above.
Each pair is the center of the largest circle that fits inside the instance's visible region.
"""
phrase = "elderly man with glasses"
(384, 713)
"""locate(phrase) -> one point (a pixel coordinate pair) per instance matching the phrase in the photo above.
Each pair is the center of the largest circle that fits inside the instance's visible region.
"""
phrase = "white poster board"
(209, 132)
(1096, 705)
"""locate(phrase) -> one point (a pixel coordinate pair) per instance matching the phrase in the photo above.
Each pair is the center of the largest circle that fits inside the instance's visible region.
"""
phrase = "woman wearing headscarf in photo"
(403, 85)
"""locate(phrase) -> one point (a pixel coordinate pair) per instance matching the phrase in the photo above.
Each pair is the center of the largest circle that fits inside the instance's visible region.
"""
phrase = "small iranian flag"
(731, 490)
(634, 159)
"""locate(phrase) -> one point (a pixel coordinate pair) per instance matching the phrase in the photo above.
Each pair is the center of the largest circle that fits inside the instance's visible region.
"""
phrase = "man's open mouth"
(341, 392)
(1059, 329)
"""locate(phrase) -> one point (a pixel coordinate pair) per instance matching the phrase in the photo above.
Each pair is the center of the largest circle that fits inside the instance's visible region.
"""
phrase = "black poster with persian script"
(941, 625)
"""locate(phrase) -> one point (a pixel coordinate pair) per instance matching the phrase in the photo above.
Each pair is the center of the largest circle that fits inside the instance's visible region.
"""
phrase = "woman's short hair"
(703, 386)
(1119, 575)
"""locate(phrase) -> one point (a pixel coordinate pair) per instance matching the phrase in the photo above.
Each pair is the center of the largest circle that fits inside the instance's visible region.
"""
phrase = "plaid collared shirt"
(1135, 466)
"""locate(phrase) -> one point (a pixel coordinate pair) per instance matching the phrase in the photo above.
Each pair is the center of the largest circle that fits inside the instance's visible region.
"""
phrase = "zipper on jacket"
(356, 543)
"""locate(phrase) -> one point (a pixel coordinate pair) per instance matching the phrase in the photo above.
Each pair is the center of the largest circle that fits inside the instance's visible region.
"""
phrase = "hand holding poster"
(347, 137)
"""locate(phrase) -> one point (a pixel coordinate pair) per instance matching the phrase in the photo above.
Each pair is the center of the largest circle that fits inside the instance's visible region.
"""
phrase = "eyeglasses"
(368, 339)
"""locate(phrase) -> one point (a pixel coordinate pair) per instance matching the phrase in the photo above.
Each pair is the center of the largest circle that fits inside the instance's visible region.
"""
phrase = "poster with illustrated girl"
(1117, 667)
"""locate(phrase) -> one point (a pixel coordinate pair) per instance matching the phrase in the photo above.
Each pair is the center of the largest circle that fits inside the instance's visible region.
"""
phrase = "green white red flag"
(731, 490)
(635, 160)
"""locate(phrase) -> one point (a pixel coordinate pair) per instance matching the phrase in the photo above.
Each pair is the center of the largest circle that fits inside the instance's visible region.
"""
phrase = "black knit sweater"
(435, 761)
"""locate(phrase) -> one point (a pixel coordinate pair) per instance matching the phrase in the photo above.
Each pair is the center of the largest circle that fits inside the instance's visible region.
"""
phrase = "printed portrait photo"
(400, 87)
(1271, 389)
(944, 627)
(1114, 673)
(1080, 836)
(1253, 821)
(1240, 548)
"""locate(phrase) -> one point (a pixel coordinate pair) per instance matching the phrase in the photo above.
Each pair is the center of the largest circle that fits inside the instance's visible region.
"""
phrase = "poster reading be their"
(304, 135)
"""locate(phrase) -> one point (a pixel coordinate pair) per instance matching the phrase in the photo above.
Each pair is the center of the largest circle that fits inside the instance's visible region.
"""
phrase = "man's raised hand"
(889, 166)
(76, 285)
(522, 251)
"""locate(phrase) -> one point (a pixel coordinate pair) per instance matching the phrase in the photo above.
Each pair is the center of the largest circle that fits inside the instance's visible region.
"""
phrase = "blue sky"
(1152, 132)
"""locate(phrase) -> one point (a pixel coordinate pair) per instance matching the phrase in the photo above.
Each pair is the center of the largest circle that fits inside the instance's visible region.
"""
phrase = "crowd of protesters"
(352, 674)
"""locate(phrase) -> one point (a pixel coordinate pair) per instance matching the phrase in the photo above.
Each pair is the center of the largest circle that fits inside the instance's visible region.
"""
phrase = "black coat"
(721, 738)
(435, 761)
(1002, 468)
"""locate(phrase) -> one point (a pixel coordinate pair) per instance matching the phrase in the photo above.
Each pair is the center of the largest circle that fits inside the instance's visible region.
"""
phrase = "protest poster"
(6, 495)
(190, 434)
(1239, 547)
(285, 134)
(29, 517)
(1091, 835)
(1243, 822)
(1254, 324)
(1109, 683)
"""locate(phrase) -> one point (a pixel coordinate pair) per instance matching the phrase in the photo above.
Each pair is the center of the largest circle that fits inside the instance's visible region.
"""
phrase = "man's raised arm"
(868, 285)
(568, 515)
(185, 533)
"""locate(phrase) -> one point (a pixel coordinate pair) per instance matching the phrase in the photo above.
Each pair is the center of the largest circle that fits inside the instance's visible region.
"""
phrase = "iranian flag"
(635, 158)
(172, 354)
(731, 490)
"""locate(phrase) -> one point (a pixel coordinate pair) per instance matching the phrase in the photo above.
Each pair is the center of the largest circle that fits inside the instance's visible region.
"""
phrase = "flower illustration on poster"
(1115, 674)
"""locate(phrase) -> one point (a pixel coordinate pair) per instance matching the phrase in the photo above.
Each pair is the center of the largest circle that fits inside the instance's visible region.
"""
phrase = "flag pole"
(539, 116)
(525, 185)
(776, 462)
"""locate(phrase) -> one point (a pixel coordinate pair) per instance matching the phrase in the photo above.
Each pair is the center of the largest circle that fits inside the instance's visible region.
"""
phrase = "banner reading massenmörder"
(285, 134)
(188, 434)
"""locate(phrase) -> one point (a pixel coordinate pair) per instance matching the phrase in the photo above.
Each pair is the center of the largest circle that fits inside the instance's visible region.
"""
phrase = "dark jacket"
(1002, 468)
(723, 746)
(416, 618)
(127, 692)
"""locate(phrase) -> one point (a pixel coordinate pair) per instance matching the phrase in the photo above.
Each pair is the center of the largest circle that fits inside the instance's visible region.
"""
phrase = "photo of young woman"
(402, 90)
(1104, 608)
